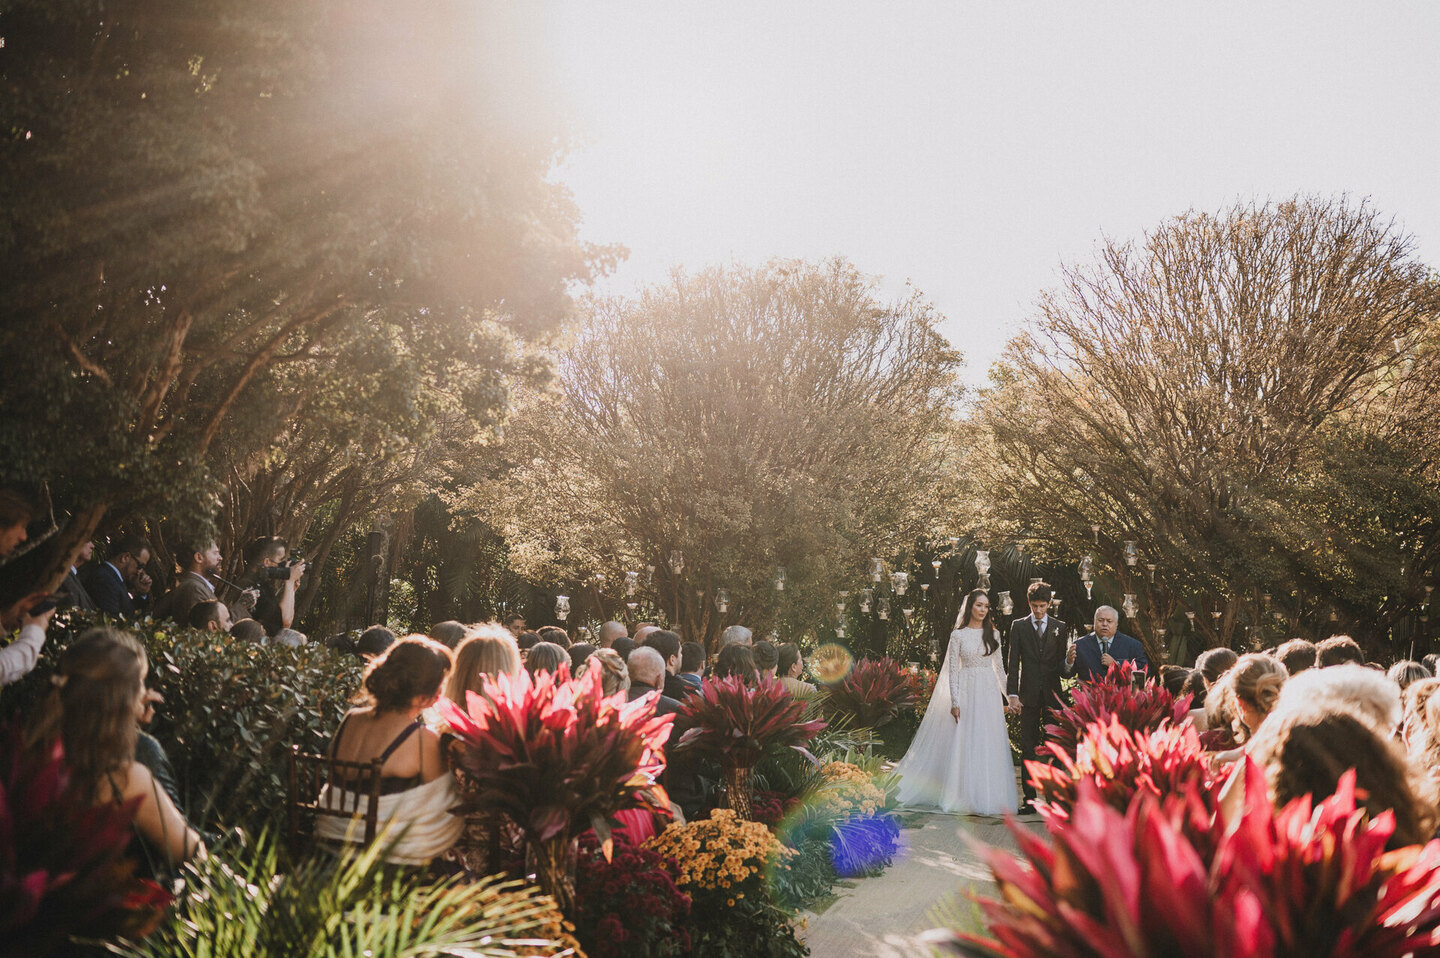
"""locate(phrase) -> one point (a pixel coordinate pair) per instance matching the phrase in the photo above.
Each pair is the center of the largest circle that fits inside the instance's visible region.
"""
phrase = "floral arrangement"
(770, 807)
(63, 864)
(847, 792)
(558, 757)
(1141, 710)
(735, 725)
(722, 852)
(1165, 877)
(873, 693)
(630, 904)
(1121, 762)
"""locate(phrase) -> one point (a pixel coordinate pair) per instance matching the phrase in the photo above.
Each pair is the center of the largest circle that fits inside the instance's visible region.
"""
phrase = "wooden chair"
(307, 773)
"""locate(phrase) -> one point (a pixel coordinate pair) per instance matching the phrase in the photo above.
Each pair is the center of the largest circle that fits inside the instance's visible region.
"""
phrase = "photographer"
(276, 575)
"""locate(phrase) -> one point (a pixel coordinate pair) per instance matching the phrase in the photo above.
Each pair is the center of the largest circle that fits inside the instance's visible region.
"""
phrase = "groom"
(1034, 663)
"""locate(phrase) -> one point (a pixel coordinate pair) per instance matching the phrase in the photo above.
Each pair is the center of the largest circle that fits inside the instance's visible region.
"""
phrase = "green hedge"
(232, 709)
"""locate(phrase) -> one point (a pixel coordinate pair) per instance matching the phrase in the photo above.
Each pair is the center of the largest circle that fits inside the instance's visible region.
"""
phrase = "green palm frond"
(242, 904)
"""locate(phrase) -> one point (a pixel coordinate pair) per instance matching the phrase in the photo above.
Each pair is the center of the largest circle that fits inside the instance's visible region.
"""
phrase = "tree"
(1197, 393)
(746, 419)
(200, 197)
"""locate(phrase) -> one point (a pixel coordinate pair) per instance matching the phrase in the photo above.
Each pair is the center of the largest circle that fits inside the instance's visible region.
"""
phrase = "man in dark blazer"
(75, 595)
(120, 586)
(1034, 663)
(1092, 655)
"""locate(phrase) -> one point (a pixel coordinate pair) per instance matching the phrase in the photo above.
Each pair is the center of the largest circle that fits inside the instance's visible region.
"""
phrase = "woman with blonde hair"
(490, 650)
(98, 696)
(1250, 690)
(616, 676)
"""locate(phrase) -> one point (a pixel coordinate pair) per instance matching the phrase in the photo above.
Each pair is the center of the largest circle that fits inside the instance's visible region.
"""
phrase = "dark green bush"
(231, 711)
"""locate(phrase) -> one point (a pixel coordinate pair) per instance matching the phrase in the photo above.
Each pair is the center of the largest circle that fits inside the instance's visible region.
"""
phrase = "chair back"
(305, 780)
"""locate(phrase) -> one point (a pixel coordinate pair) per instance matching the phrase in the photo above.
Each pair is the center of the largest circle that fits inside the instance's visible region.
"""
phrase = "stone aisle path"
(935, 866)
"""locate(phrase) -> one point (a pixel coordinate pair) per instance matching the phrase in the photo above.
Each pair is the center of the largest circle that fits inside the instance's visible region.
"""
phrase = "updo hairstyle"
(414, 667)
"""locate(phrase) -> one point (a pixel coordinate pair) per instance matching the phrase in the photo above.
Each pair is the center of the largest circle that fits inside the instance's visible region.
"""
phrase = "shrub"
(736, 725)
(1166, 877)
(63, 865)
(873, 693)
(1140, 710)
(631, 904)
(1120, 762)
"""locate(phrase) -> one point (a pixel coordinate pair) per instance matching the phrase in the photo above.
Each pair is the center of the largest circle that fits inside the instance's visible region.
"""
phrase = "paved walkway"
(879, 917)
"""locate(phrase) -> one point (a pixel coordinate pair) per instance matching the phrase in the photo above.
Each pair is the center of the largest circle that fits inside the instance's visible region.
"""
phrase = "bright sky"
(969, 147)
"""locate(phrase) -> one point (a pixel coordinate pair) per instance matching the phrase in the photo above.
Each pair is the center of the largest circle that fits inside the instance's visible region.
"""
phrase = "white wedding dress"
(963, 766)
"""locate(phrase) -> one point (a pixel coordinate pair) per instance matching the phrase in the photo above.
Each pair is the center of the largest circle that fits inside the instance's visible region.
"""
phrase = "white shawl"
(418, 820)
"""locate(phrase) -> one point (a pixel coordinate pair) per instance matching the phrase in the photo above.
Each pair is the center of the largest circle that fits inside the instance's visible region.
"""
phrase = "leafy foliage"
(873, 693)
(557, 756)
(1168, 877)
(1140, 710)
(1119, 762)
(736, 725)
(239, 902)
(64, 867)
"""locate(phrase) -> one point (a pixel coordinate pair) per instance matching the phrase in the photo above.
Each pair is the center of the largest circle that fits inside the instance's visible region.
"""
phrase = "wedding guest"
(16, 511)
(18, 659)
(514, 622)
(93, 710)
(449, 633)
(611, 631)
(197, 562)
(1297, 655)
(1338, 650)
(73, 589)
(555, 635)
(210, 615)
(579, 652)
(647, 674)
(616, 675)
(417, 789)
(374, 641)
(266, 557)
(1249, 692)
(489, 650)
(526, 641)
(736, 635)
(790, 666)
(549, 658)
(1369, 694)
(767, 659)
(1213, 663)
(248, 630)
(1432, 662)
(642, 632)
(623, 646)
(1420, 734)
(668, 644)
(737, 660)
(1405, 672)
(692, 665)
(1174, 677)
(120, 585)
(1209, 667)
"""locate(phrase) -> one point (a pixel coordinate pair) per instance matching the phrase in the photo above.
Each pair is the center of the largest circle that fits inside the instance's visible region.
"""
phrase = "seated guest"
(73, 590)
(1297, 655)
(647, 674)
(736, 660)
(1174, 677)
(736, 635)
(642, 632)
(1250, 691)
(616, 677)
(767, 659)
(692, 664)
(1305, 749)
(1367, 693)
(448, 633)
(1404, 672)
(1419, 728)
(489, 650)
(623, 646)
(549, 658)
(790, 666)
(579, 652)
(120, 586)
(289, 638)
(1432, 662)
(1338, 650)
(555, 636)
(374, 641)
(18, 659)
(1209, 667)
(526, 641)
(609, 632)
(92, 711)
(417, 790)
(248, 630)
(210, 615)
(668, 644)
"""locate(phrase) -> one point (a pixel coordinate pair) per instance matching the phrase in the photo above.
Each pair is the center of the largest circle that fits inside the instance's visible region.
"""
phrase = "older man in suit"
(1091, 656)
(1034, 662)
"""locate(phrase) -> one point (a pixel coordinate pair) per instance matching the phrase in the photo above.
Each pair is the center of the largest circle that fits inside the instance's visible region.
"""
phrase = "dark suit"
(75, 594)
(1123, 648)
(1034, 664)
(111, 594)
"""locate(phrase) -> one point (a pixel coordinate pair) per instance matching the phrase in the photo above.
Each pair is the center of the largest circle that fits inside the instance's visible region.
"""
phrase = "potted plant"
(735, 725)
(1138, 709)
(873, 693)
(558, 758)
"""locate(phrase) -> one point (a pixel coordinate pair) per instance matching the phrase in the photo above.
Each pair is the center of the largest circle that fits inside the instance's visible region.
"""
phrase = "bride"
(960, 758)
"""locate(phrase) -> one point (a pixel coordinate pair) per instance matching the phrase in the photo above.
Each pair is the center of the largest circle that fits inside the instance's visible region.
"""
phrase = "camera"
(281, 571)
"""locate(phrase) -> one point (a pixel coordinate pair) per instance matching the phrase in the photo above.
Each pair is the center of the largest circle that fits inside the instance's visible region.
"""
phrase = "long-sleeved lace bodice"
(967, 651)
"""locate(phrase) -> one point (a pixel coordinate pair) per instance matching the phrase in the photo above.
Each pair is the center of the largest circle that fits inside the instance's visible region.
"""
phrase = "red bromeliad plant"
(1121, 762)
(735, 725)
(1167, 877)
(63, 865)
(559, 757)
(1141, 710)
(873, 693)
